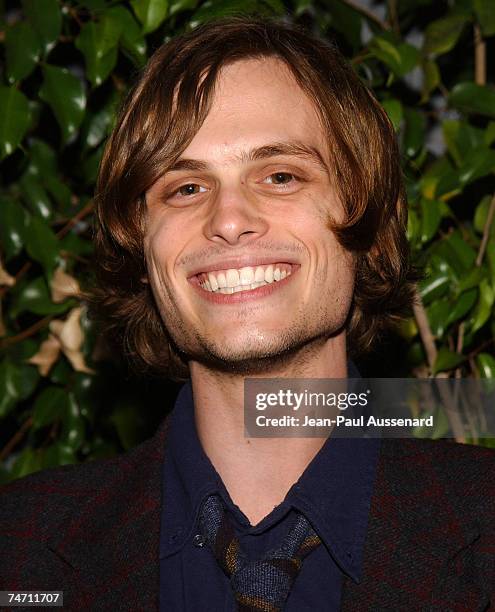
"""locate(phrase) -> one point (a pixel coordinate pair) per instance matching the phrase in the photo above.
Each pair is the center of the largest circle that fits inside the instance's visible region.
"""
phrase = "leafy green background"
(66, 65)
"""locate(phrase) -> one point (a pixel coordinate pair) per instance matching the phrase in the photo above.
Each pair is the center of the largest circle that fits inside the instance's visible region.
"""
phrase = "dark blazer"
(92, 531)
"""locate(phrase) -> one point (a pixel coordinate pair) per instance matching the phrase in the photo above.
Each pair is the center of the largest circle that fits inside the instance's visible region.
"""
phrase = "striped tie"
(263, 585)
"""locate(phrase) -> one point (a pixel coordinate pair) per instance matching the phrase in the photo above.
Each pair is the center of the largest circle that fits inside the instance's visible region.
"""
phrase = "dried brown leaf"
(47, 355)
(63, 285)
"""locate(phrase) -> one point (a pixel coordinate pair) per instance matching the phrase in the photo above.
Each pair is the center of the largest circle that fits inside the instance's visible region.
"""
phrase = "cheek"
(159, 248)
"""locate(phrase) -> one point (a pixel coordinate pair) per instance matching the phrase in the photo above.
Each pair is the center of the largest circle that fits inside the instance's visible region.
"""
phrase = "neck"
(258, 472)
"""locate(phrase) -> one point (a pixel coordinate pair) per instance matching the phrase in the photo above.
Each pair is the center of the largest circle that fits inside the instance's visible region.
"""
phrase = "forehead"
(256, 101)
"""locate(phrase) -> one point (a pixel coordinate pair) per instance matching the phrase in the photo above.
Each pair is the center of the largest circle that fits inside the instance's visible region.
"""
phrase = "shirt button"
(199, 540)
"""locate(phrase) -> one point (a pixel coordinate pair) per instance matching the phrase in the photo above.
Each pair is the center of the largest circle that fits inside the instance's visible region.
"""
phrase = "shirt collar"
(188, 475)
(334, 492)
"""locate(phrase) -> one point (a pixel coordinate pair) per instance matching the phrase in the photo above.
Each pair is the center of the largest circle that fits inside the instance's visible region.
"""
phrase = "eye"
(280, 178)
(189, 189)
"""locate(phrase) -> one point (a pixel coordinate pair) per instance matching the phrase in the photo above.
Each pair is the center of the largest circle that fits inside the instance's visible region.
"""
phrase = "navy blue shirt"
(333, 493)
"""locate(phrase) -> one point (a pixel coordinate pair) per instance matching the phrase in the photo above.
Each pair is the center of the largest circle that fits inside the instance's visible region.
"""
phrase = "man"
(251, 222)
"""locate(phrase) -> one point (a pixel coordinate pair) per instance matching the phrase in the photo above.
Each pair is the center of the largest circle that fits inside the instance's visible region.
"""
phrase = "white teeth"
(259, 275)
(232, 278)
(269, 274)
(213, 281)
(222, 281)
(246, 276)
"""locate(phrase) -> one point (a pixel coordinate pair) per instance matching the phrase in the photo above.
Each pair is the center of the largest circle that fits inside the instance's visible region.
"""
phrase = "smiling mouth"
(243, 279)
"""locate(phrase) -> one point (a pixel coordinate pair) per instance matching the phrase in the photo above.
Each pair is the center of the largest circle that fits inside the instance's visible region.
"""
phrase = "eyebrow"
(293, 149)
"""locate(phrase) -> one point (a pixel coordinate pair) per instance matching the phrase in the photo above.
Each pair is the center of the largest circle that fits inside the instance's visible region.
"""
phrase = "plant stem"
(486, 232)
(16, 438)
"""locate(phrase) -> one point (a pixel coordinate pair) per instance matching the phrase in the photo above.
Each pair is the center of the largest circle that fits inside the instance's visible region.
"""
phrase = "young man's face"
(247, 202)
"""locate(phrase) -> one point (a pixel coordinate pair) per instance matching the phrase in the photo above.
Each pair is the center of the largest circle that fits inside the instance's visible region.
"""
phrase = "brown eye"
(280, 178)
(189, 189)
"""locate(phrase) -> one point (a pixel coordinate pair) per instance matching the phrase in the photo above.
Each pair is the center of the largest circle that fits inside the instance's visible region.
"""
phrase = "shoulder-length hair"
(159, 118)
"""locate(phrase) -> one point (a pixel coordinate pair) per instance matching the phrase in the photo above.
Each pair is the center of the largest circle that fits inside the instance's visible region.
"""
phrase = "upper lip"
(237, 263)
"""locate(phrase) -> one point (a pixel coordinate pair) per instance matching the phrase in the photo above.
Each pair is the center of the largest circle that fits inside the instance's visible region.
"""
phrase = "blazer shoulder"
(41, 500)
(463, 473)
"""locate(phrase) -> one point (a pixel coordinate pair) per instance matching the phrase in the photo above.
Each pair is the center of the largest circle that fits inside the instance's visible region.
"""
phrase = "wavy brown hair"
(159, 118)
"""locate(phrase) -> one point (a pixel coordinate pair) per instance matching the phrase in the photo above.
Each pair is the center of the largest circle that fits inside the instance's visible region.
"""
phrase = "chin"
(251, 356)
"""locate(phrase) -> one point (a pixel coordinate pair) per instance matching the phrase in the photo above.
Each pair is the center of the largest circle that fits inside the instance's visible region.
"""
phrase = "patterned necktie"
(263, 585)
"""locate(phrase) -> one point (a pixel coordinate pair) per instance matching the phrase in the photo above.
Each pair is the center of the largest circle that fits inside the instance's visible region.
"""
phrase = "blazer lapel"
(418, 553)
(111, 541)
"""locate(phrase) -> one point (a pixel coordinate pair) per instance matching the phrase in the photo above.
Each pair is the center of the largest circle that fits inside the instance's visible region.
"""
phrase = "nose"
(234, 218)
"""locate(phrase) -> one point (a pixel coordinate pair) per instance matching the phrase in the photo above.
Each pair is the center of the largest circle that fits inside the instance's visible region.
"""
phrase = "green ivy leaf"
(46, 18)
(434, 286)
(393, 108)
(481, 215)
(73, 429)
(182, 5)
(440, 181)
(13, 221)
(97, 125)
(34, 297)
(151, 13)
(98, 42)
(431, 78)
(414, 132)
(43, 160)
(461, 306)
(14, 119)
(447, 360)
(65, 95)
(400, 58)
(471, 98)
(441, 425)
(42, 244)
(346, 20)
(128, 424)
(431, 215)
(51, 405)
(89, 167)
(58, 454)
(17, 382)
(472, 279)
(34, 194)
(485, 12)
(460, 255)
(413, 227)
(437, 314)
(486, 365)
(132, 40)
(22, 51)
(483, 308)
(27, 462)
(442, 35)
(490, 256)
(480, 163)
(462, 139)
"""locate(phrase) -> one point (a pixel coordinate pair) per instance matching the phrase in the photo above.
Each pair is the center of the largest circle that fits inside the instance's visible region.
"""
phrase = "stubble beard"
(265, 354)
